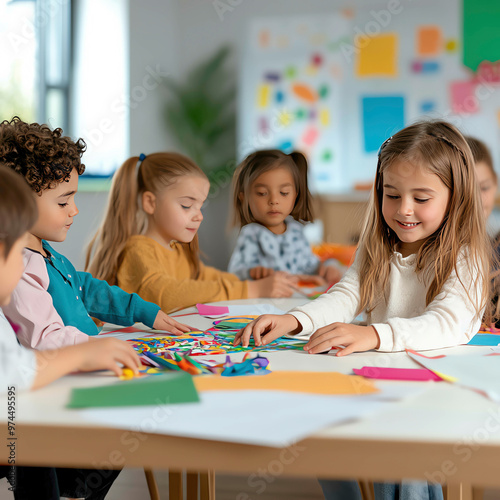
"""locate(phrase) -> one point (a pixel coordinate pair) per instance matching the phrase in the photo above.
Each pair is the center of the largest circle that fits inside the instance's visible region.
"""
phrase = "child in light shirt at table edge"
(24, 369)
(421, 272)
(65, 298)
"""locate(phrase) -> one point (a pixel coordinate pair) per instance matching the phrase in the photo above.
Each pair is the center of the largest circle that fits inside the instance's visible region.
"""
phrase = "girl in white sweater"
(421, 270)
(420, 275)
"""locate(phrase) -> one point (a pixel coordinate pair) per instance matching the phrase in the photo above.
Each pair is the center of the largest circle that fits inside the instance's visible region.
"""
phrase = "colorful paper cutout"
(216, 340)
(429, 41)
(207, 310)
(324, 117)
(286, 147)
(263, 94)
(425, 67)
(382, 117)
(415, 374)
(317, 60)
(463, 97)
(427, 106)
(377, 55)
(279, 97)
(304, 92)
(285, 118)
(481, 36)
(290, 381)
(272, 76)
(323, 91)
(327, 155)
(451, 45)
(291, 72)
(310, 136)
(168, 388)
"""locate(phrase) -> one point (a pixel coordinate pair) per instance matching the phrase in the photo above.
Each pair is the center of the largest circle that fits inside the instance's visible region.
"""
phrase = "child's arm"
(247, 253)
(140, 272)
(103, 354)
(31, 307)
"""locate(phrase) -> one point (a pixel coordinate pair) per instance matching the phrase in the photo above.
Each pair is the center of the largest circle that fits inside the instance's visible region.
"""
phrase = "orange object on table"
(343, 253)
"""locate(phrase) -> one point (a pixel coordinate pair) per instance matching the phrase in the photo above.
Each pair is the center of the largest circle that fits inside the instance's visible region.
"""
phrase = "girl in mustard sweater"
(148, 242)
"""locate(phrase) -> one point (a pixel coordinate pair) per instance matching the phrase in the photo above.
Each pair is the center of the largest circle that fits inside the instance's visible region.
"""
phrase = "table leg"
(459, 491)
(154, 493)
(175, 485)
(191, 485)
(207, 485)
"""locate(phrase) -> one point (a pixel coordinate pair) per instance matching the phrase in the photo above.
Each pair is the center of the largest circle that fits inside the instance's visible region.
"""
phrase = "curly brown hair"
(44, 157)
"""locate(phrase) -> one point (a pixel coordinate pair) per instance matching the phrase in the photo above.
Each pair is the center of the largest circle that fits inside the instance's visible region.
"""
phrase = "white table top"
(442, 413)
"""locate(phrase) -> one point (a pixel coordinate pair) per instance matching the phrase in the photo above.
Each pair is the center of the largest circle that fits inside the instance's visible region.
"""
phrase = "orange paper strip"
(292, 381)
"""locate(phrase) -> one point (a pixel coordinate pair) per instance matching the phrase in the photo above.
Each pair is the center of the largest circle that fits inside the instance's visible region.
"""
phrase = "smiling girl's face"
(415, 202)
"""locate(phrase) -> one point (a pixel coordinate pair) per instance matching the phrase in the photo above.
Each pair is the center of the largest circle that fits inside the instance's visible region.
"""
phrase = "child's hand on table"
(355, 338)
(259, 272)
(106, 354)
(279, 284)
(268, 326)
(330, 274)
(165, 322)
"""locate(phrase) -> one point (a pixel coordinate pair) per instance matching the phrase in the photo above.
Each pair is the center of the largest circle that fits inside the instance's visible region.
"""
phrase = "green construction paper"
(481, 32)
(170, 388)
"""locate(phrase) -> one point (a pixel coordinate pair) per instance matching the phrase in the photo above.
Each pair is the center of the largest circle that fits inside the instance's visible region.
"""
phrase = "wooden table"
(446, 433)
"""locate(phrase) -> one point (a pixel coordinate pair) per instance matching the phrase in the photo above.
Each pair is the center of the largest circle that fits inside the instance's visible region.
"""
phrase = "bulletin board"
(336, 86)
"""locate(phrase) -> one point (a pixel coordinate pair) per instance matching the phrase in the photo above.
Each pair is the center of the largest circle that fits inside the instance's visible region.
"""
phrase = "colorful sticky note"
(323, 91)
(451, 45)
(286, 146)
(416, 374)
(429, 41)
(425, 67)
(481, 36)
(310, 136)
(316, 60)
(290, 381)
(263, 93)
(463, 97)
(382, 117)
(377, 55)
(206, 310)
(162, 389)
(291, 72)
(279, 96)
(427, 106)
(285, 118)
(300, 114)
(304, 92)
(272, 76)
(264, 38)
(327, 155)
(324, 117)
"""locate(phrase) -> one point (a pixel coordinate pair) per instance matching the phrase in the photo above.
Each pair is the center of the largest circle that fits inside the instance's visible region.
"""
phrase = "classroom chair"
(204, 479)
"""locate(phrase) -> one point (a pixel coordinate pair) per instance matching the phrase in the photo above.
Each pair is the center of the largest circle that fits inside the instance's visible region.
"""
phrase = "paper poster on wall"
(429, 41)
(481, 33)
(463, 97)
(296, 102)
(382, 117)
(377, 56)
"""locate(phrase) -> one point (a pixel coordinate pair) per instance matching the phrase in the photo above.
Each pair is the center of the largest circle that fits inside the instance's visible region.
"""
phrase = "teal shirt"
(77, 296)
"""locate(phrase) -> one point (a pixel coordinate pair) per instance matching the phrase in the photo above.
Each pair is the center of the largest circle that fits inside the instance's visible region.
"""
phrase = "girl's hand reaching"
(267, 328)
(330, 274)
(279, 284)
(259, 272)
(355, 338)
(165, 322)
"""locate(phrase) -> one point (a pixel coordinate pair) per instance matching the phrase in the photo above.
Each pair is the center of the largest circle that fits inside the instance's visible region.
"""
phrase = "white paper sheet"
(239, 416)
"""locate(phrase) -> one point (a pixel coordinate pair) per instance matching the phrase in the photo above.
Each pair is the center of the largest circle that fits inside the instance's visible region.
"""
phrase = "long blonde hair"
(442, 150)
(124, 215)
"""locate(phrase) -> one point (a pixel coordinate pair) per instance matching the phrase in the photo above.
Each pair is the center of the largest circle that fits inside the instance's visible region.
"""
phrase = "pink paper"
(205, 310)
(417, 374)
(463, 97)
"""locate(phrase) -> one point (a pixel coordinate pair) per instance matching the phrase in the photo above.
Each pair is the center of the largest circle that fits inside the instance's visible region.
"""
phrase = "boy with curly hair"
(53, 303)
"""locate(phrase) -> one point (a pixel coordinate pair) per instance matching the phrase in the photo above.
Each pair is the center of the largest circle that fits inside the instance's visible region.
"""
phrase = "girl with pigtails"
(271, 204)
